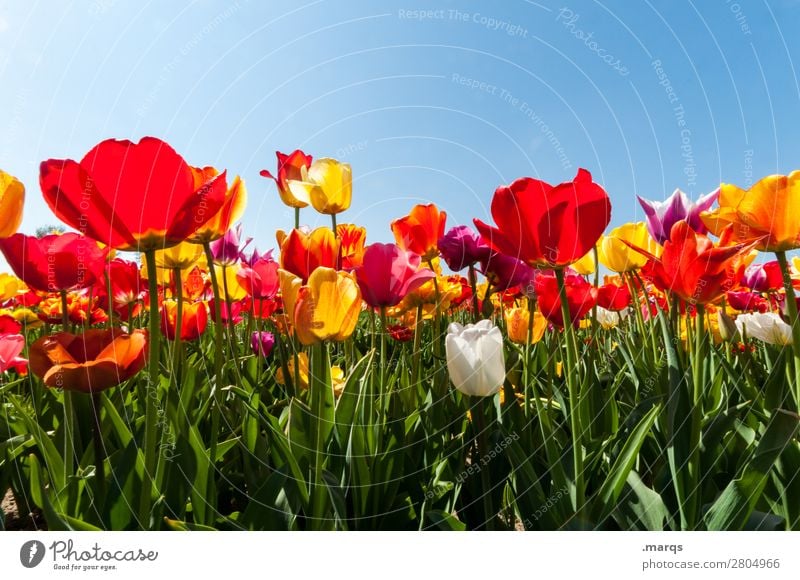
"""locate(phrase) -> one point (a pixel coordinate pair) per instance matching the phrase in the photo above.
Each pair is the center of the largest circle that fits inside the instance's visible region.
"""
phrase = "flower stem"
(297, 218)
(791, 308)
(574, 396)
(218, 345)
(69, 406)
(319, 380)
(473, 282)
(486, 484)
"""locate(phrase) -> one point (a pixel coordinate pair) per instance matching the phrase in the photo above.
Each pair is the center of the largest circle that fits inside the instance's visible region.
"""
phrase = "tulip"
(337, 374)
(260, 280)
(228, 250)
(613, 297)
(586, 265)
(55, 263)
(302, 253)
(400, 333)
(290, 168)
(326, 307)
(504, 272)
(581, 296)
(351, 241)
(181, 256)
(194, 320)
(518, 321)
(326, 183)
(420, 230)
(661, 216)
(230, 212)
(127, 287)
(228, 316)
(388, 274)
(11, 346)
(692, 268)
(763, 277)
(131, 196)
(90, 362)
(262, 343)
(747, 301)
(12, 198)
(727, 326)
(11, 287)
(767, 327)
(607, 319)
(614, 250)
(475, 358)
(461, 247)
(230, 287)
(545, 225)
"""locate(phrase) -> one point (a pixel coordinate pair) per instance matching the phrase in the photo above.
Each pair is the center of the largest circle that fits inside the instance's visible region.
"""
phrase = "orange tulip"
(12, 198)
(90, 362)
(230, 212)
(352, 239)
(302, 253)
(194, 319)
(327, 307)
(420, 230)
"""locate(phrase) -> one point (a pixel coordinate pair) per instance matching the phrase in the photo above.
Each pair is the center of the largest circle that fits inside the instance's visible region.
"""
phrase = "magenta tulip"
(388, 273)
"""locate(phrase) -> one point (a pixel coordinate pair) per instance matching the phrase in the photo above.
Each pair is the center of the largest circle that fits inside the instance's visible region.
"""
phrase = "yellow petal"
(12, 199)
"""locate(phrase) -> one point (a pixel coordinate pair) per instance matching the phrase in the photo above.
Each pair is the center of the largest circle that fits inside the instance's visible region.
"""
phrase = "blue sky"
(429, 101)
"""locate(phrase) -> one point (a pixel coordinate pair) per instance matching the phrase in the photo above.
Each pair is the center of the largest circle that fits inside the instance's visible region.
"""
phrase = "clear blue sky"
(441, 106)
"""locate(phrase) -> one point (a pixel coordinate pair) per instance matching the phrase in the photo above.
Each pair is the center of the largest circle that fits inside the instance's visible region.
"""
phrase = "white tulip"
(766, 326)
(475, 358)
(607, 318)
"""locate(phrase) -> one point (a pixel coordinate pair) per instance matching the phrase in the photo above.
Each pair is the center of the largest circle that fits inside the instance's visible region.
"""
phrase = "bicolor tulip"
(614, 250)
(461, 247)
(581, 296)
(194, 319)
(545, 225)
(131, 196)
(326, 307)
(302, 253)
(90, 362)
(607, 319)
(767, 327)
(662, 215)
(11, 287)
(230, 212)
(55, 262)
(767, 212)
(12, 199)
(388, 274)
(351, 242)
(290, 168)
(420, 230)
(475, 359)
(326, 183)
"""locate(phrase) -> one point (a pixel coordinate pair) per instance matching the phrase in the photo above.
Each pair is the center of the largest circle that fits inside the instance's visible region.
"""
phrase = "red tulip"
(131, 196)
(545, 225)
(302, 253)
(261, 279)
(613, 297)
(763, 277)
(290, 168)
(128, 289)
(747, 301)
(55, 262)
(420, 230)
(388, 273)
(581, 296)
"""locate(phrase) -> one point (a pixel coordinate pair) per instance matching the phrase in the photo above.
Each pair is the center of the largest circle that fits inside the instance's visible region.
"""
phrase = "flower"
(230, 212)
(545, 225)
(517, 321)
(617, 255)
(767, 212)
(613, 297)
(12, 199)
(181, 256)
(747, 301)
(302, 253)
(11, 287)
(763, 277)
(127, 286)
(194, 319)
(56, 262)
(11, 346)
(581, 296)
(504, 272)
(290, 168)
(475, 358)
(420, 230)
(461, 247)
(326, 307)
(388, 274)
(260, 280)
(131, 196)
(228, 250)
(586, 265)
(400, 332)
(661, 216)
(92, 361)
(608, 319)
(351, 240)
(767, 327)
(692, 268)
(337, 374)
(262, 343)
(326, 183)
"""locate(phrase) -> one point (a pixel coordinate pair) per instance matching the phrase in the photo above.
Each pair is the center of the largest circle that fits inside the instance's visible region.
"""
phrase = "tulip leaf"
(441, 520)
(737, 501)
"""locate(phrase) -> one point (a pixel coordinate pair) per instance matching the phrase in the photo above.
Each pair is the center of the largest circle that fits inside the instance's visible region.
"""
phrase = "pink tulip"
(388, 273)
(10, 347)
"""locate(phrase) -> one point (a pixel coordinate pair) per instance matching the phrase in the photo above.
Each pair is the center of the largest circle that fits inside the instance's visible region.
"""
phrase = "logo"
(31, 553)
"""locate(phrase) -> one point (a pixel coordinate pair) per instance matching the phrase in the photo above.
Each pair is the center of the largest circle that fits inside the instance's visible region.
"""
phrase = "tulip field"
(550, 370)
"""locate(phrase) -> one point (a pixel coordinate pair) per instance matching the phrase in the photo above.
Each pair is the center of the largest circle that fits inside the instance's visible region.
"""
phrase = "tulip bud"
(727, 326)
(475, 358)
(262, 343)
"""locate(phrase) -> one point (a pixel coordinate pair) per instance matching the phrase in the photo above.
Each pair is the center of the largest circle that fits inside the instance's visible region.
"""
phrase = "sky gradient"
(429, 101)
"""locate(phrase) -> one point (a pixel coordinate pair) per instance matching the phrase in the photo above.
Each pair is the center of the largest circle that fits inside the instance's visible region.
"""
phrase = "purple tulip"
(228, 249)
(262, 343)
(661, 216)
(461, 247)
(504, 272)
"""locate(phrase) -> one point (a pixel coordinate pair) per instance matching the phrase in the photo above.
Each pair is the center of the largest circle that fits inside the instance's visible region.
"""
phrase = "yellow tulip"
(230, 212)
(183, 256)
(25, 316)
(229, 286)
(327, 308)
(768, 210)
(585, 265)
(11, 286)
(618, 256)
(517, 321)
(12, 198)
(328, 184)
(337, 374)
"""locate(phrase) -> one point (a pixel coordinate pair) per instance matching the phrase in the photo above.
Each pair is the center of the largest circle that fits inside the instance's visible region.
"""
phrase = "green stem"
(693, 496)
(99, 448)
(177, 345)
(69, 406)
(218, 345)
(473, 282)
(382, 386)
(571, 373)
(319, 380)
(791, 308)
(297, 218)
(483, 448)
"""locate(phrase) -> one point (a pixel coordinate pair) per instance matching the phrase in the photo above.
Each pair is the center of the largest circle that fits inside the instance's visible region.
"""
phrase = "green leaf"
(440, 520)
(181, 526)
